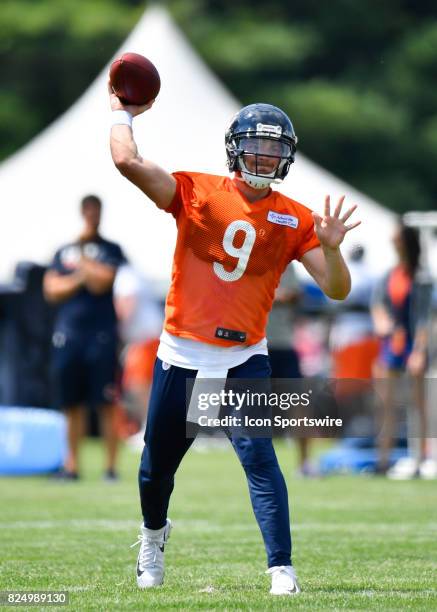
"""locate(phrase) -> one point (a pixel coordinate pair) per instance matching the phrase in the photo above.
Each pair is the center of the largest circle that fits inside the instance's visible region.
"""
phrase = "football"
(134, 79)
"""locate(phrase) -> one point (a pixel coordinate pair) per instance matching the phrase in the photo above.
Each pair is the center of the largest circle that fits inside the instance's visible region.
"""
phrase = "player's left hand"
(331, 230)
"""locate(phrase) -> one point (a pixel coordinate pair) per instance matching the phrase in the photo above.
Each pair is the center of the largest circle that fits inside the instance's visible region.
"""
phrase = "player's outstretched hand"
(331, 230)
(117, 104)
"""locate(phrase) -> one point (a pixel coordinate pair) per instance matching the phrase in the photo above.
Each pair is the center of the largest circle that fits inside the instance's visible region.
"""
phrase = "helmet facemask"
(262, 160)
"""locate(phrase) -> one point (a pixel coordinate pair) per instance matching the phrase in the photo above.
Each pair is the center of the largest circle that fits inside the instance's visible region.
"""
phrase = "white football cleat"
(150, 563)
(428, 469)
(405, 468)
(284, 580)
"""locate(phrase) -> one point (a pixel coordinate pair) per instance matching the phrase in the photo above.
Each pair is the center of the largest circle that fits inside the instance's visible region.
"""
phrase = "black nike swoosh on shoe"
(139, 572)
(161, 548)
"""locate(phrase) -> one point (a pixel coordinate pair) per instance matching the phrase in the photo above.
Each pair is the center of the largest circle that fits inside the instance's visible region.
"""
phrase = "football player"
(235, 238)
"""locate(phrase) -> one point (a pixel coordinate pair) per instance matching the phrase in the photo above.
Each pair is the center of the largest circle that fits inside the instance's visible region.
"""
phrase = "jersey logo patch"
(280, 219)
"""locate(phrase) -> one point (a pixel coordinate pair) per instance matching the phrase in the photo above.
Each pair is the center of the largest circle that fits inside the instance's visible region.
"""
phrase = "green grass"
(359, 543)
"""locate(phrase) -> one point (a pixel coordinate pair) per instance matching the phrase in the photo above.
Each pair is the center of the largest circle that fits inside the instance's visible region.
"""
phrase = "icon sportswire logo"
(281, 219)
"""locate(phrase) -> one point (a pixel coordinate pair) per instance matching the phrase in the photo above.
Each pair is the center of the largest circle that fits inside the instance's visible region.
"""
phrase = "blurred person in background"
(79, 281)
(284, 360)
(352, 340)
(401, 314)
(140, 319)
(354, 348)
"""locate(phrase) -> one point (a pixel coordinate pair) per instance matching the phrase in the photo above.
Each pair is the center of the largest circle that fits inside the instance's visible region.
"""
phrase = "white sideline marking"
(207, 526)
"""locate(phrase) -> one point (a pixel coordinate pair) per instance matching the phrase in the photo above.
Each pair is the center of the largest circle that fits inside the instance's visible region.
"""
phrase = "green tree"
(356, 76)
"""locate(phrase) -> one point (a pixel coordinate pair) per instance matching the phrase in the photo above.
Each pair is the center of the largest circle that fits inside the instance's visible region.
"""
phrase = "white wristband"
(121, 117)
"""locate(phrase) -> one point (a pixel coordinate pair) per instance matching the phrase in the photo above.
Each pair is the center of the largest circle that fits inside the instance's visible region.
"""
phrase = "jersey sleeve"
(113, 255)
(126, 282)
(184, 194)
(308, 237)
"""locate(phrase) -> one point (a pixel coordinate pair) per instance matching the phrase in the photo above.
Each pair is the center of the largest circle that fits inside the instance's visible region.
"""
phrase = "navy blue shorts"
(393, 360)
(84, 368)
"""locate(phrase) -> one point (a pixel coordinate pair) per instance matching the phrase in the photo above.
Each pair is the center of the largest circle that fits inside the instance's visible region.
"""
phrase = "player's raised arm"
(156, 183)
(325, 263)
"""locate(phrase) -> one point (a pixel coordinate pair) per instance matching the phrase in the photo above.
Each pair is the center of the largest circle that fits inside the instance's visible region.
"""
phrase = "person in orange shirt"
(401, 310)
(235, 238)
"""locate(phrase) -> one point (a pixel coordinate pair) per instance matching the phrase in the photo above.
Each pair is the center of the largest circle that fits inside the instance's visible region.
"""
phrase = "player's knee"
(157, 479)
(154, 469)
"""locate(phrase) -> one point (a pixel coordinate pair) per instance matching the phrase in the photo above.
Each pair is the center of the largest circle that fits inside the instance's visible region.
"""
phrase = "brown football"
(134, 79)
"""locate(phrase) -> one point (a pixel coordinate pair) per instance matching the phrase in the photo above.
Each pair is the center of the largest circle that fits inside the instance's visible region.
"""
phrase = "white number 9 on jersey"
(242, 253)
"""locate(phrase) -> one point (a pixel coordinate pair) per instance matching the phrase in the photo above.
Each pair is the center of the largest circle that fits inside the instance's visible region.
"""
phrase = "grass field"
(359, 543)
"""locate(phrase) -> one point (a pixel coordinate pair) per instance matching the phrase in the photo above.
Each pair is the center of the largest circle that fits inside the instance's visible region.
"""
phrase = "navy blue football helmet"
(261, 143)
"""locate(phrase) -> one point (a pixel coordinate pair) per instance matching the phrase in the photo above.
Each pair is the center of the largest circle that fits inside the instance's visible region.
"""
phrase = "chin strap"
(257, 182)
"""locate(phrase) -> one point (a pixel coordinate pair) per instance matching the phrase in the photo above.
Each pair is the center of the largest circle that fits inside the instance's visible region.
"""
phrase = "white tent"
(42, 184)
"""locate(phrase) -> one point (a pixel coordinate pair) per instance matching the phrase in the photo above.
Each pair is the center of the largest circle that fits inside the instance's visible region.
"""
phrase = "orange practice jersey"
(230, 255)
